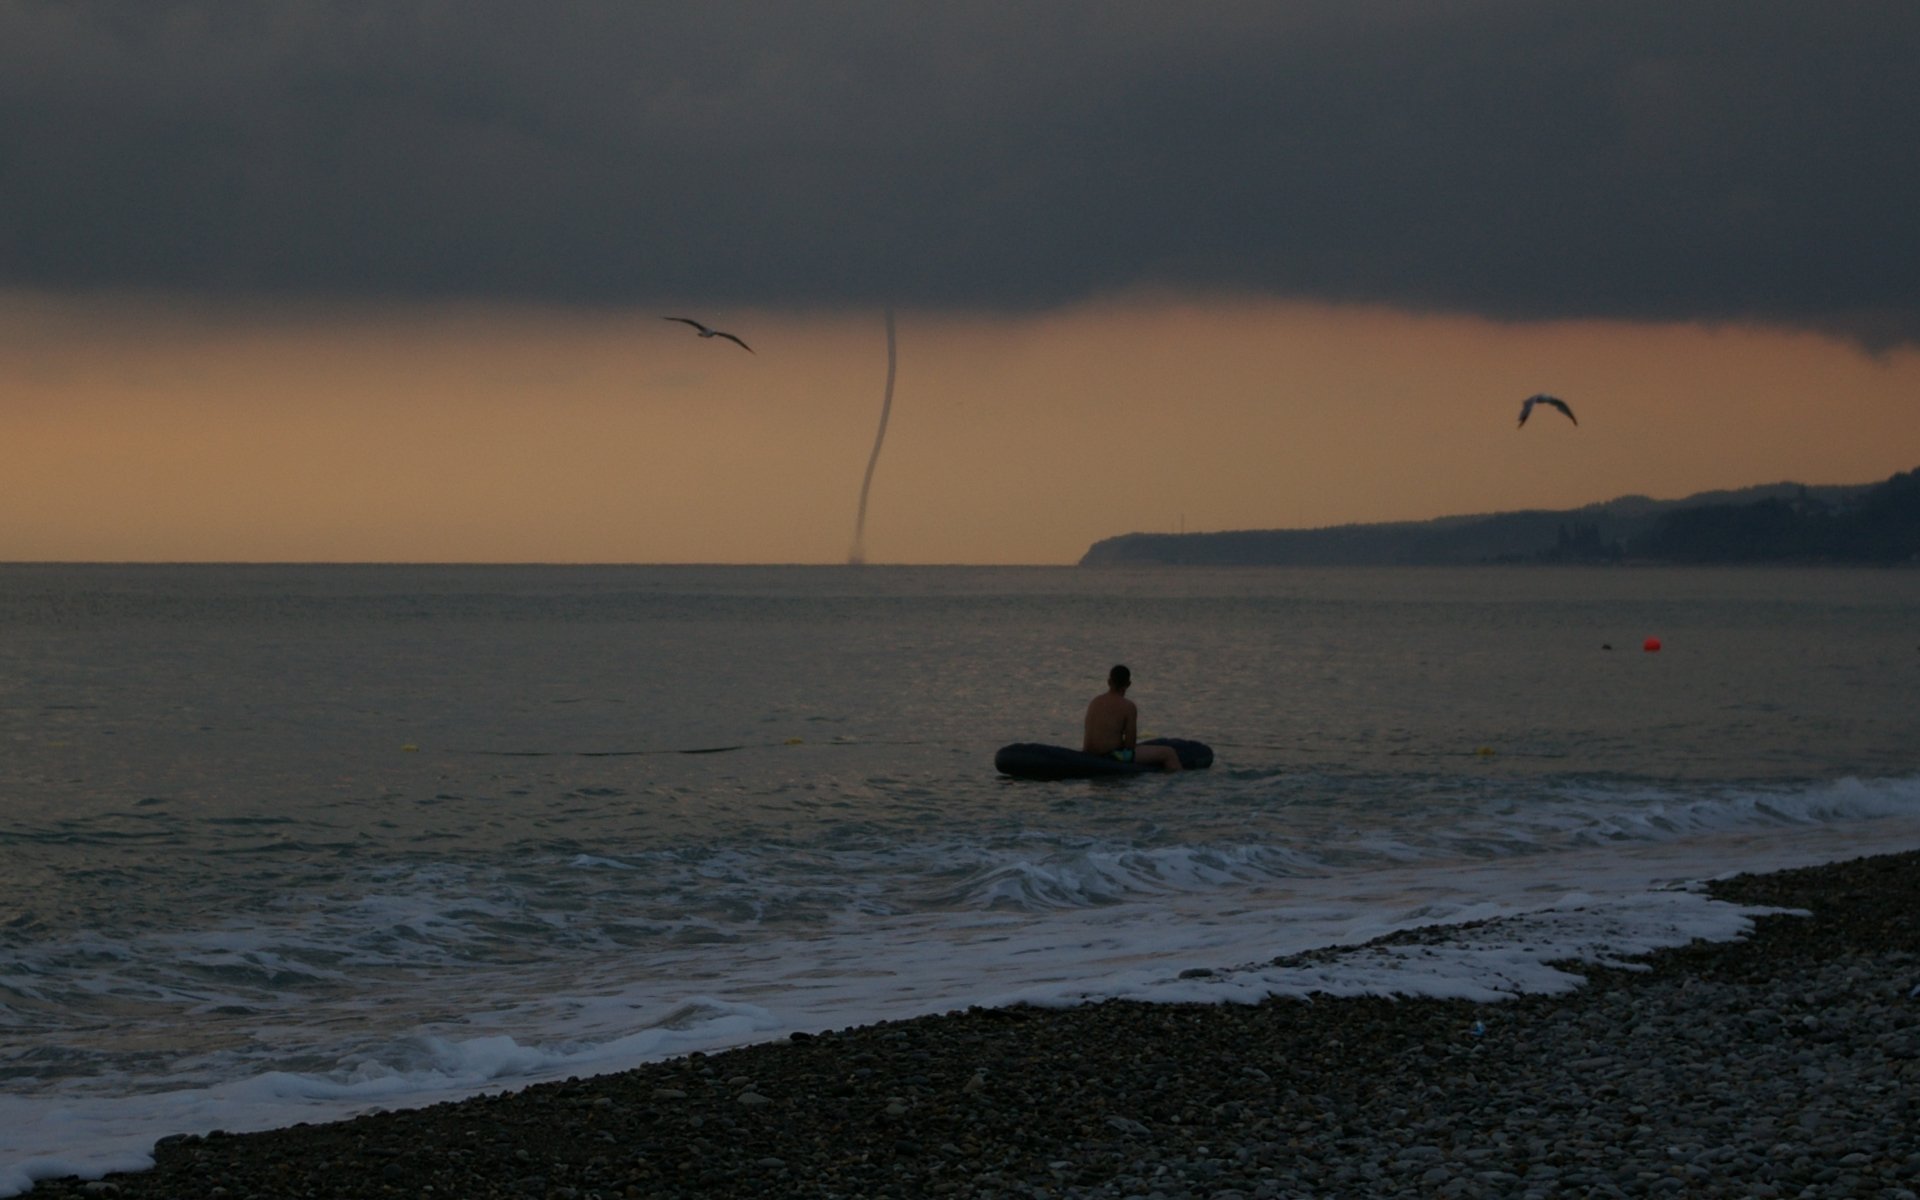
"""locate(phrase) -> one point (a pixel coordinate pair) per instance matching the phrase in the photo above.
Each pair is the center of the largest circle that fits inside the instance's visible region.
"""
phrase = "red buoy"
(1651, 645)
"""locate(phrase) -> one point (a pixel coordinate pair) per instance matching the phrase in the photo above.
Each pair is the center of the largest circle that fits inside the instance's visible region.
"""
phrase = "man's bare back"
(1113, 727)
(1112, 723)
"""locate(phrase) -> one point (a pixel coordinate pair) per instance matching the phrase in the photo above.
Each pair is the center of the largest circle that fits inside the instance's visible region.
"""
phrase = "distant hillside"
(1780, 522)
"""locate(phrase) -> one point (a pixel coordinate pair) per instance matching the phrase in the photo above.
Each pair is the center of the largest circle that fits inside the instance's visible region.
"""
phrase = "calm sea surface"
(286, 843)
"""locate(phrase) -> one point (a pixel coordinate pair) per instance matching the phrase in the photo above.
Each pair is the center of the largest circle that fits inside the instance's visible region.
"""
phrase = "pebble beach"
(1786, 1063)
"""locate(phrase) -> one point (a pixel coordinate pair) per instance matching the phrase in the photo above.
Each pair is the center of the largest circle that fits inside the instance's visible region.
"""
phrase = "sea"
(285, 844)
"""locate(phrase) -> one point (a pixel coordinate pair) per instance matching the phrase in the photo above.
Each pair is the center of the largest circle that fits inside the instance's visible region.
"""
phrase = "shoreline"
(1769, 1065)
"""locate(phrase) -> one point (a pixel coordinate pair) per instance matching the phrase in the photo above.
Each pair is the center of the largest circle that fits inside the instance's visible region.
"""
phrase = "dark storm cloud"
(1712, 160)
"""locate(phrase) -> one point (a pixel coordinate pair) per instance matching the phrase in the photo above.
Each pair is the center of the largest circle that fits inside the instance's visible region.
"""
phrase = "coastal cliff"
(1782, 522)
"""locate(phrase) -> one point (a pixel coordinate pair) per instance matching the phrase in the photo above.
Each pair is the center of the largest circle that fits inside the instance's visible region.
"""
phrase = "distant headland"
(1872, 523)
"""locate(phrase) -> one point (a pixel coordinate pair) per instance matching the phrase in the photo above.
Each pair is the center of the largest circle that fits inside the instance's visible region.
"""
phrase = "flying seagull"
(708, 333)
(1543, 398)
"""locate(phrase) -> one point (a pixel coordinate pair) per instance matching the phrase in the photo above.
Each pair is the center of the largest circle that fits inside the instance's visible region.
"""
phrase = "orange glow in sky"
(136, 430)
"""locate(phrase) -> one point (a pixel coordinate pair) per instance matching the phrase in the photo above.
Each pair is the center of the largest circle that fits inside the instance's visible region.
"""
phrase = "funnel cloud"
(858, 555)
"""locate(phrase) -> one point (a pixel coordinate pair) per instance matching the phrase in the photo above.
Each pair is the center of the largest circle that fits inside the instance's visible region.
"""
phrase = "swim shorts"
(1125, 756)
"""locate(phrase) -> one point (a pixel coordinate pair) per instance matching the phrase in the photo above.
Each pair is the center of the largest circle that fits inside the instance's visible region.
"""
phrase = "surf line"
(602, 753)
(857, 556)
(689, 750)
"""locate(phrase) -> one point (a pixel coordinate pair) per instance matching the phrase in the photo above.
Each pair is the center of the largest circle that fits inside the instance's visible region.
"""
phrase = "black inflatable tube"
(1035, 760)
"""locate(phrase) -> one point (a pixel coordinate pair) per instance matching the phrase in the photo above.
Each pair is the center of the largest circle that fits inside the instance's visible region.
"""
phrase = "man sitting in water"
(1113, 727)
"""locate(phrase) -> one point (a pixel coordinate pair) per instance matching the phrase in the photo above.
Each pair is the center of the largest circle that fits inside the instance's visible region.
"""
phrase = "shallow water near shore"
(281, 844)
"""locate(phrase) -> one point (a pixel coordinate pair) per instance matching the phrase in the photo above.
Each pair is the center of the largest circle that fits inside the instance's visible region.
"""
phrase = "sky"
(384, 281)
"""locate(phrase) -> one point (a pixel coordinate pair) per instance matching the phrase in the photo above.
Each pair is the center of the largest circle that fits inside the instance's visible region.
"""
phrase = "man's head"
(1120, 678)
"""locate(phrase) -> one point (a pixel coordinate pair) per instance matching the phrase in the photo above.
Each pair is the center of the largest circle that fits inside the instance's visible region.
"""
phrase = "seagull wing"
(1526, 407)
(690, 321)
(736, 341)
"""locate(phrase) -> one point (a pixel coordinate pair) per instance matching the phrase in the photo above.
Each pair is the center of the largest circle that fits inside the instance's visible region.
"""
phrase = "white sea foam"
(1519, 915)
